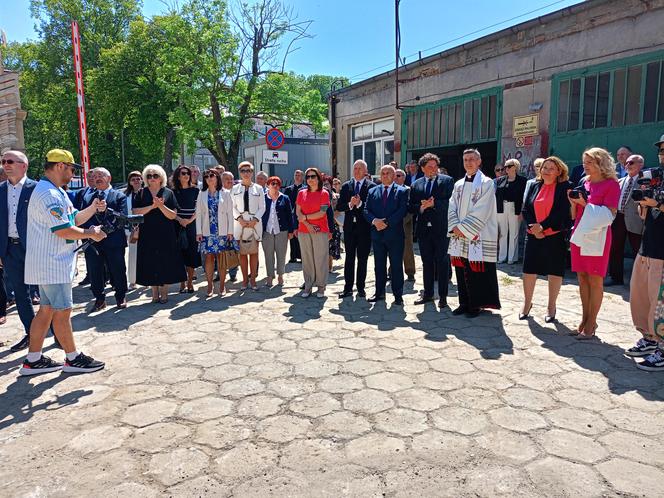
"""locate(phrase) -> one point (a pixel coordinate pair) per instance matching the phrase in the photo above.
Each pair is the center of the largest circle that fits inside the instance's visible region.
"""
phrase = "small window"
(493, 113)
(443, 125)
(388, 151)
(357, 152)
(633, 107)
(383, 128)
(436, 126)
(484, 132)
(618, 112)
(457, 123)
(602, 112)
(362, 132)
(468, 120)
(476, 120)
(650, 98)
(589, 95)
(563, 105)
(574, 104)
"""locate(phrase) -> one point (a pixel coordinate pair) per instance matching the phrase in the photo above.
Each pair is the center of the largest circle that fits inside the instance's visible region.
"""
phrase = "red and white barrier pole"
(80, 99)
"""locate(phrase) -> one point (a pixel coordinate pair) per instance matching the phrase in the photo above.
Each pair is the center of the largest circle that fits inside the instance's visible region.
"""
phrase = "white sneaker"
(305, 294)
(320, 294)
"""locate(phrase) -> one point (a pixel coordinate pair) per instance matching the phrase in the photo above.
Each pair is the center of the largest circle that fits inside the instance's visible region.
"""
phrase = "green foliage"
(199, 72)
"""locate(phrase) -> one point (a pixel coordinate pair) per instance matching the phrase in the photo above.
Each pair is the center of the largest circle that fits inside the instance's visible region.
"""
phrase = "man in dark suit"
(357, 236)
(14, 198)
(413, 173)
(291, 192)
(385, 210)
(110, 252)
(429, 199)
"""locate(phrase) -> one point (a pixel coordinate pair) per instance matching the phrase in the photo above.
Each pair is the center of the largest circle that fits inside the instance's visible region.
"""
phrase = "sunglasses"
(274, 183)
(498, 170)
(11, 161)
(309, 177)
(185, 173)
(245, 171)
(209, 176)
(509, 167)
(661, 151)
(137, 178)
(151, 176)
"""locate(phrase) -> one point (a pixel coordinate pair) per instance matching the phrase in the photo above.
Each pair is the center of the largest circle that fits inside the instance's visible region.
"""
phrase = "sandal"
(163, 300)
(582, 336)
(190, 290)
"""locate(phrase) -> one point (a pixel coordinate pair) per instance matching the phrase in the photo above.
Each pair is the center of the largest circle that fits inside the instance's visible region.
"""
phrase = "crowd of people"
(221, 224)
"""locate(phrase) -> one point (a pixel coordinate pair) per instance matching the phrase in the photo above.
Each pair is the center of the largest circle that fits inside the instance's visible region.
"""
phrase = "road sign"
(274, 138)
(275, 156)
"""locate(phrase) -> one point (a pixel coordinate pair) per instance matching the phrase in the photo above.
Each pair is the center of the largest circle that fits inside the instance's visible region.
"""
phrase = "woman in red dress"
(602, 187)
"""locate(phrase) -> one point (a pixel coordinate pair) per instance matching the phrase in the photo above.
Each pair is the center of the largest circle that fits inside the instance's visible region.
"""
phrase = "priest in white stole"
(473, 232)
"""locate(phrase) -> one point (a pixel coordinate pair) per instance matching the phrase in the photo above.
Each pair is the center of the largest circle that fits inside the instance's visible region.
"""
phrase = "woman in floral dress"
(214, 228)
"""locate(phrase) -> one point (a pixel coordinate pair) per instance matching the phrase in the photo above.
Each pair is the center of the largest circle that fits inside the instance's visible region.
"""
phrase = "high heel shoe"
(526, 315)
(550, 318)
(209, 290)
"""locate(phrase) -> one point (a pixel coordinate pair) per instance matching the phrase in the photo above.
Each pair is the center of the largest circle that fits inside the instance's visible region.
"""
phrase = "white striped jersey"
(49, 259)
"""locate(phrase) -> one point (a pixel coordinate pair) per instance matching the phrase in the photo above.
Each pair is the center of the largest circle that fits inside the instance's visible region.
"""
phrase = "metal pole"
(397, 35)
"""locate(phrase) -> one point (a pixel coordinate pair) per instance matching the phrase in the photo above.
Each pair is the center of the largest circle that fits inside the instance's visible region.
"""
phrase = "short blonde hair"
(245, 164)
(513, 162)
(155, 168)
(604, 160)
(537, 163)
(562, 167)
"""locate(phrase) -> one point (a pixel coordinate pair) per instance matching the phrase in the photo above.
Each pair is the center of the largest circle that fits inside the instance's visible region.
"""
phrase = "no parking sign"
(274, 138)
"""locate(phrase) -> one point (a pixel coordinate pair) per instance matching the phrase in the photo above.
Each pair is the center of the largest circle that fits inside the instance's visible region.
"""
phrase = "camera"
(114, 221)
(578, 193)
(650, 184)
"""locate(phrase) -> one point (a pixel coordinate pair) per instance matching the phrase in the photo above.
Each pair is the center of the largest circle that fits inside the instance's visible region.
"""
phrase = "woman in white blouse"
(134, 184)
(248, 209)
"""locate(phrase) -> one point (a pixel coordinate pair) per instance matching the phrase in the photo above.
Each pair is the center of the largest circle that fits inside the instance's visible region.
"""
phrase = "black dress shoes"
(361, 293)
(345, 294)
(442, 303)
(375, 298)
(460, 310)
(472, 313)
(424, 300)
(398, 301)
(22, 344)
(411, 278)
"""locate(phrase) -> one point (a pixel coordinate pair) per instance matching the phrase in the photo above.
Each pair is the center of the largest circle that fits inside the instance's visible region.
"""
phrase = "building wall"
(301, 155)
(522, 59)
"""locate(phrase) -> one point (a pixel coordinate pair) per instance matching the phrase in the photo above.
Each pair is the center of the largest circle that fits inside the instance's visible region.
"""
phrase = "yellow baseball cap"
(61, 156)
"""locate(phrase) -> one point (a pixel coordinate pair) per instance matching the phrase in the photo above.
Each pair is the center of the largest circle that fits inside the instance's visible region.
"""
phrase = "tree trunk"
(168, 150)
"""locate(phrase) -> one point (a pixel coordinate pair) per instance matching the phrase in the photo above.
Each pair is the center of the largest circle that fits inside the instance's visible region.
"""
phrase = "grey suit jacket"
(633, 221)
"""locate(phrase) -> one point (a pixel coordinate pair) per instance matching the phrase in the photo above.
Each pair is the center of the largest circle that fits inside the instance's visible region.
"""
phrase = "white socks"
(32, 357)
(72, 356)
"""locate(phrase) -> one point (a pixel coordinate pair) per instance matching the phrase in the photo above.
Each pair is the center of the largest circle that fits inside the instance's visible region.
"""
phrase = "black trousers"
(295, 249)
(435, 264)
(619, 235)
(477, 289)
(392, 250)
(114, 260)
(15, 269)
(358, 246)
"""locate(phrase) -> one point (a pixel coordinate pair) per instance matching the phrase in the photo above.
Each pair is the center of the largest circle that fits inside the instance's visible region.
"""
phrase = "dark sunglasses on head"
(309, 177)
(11, 161)
(151, 176)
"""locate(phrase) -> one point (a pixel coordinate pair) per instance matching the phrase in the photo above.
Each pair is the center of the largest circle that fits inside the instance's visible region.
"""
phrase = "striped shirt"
(49, 259)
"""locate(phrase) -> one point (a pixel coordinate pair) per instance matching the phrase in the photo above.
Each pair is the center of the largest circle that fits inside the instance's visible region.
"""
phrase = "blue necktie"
(357, 188)
(384, 197)
(429, 187)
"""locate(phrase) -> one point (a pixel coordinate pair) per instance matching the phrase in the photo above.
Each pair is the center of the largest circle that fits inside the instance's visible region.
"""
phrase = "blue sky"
(353, 38)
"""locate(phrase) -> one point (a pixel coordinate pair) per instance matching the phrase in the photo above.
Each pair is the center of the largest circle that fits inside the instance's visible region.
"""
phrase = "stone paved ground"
(269, 394)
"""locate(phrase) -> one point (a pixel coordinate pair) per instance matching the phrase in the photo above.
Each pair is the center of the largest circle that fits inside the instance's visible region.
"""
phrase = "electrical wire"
(352, 78)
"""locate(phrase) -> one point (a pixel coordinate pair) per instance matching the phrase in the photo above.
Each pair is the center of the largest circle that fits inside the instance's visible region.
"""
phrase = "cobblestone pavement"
(268, 394)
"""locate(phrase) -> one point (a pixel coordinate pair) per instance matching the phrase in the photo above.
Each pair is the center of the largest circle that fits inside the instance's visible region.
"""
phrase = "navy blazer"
(117, 201)
(501, 186)
(354, 217)
(21, 214)
(393, 212)
(419, 175)
(284, 213)
(432, 222)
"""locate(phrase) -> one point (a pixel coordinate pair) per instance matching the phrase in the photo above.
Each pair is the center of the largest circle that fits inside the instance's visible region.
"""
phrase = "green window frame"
(467, 119)
(628, 92)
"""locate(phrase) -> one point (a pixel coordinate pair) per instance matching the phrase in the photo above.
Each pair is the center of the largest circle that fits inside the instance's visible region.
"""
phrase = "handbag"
(133, 236)
(250, 245)
(230, 256)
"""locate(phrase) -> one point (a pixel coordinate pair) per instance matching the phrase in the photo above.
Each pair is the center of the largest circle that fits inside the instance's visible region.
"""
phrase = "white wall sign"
(275, 156)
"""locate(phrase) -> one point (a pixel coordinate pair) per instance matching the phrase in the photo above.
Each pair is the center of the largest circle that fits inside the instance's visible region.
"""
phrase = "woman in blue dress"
(214, 227)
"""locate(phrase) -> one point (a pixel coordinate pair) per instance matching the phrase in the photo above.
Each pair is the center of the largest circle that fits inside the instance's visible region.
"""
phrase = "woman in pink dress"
(603, 189)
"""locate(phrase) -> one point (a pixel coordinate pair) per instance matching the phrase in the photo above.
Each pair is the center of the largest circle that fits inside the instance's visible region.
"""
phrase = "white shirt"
(273, 220)
(49, 259)
(13, 196)
(361, 182)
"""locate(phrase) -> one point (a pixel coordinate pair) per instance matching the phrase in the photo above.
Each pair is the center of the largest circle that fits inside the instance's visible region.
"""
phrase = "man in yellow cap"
(50, 263)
